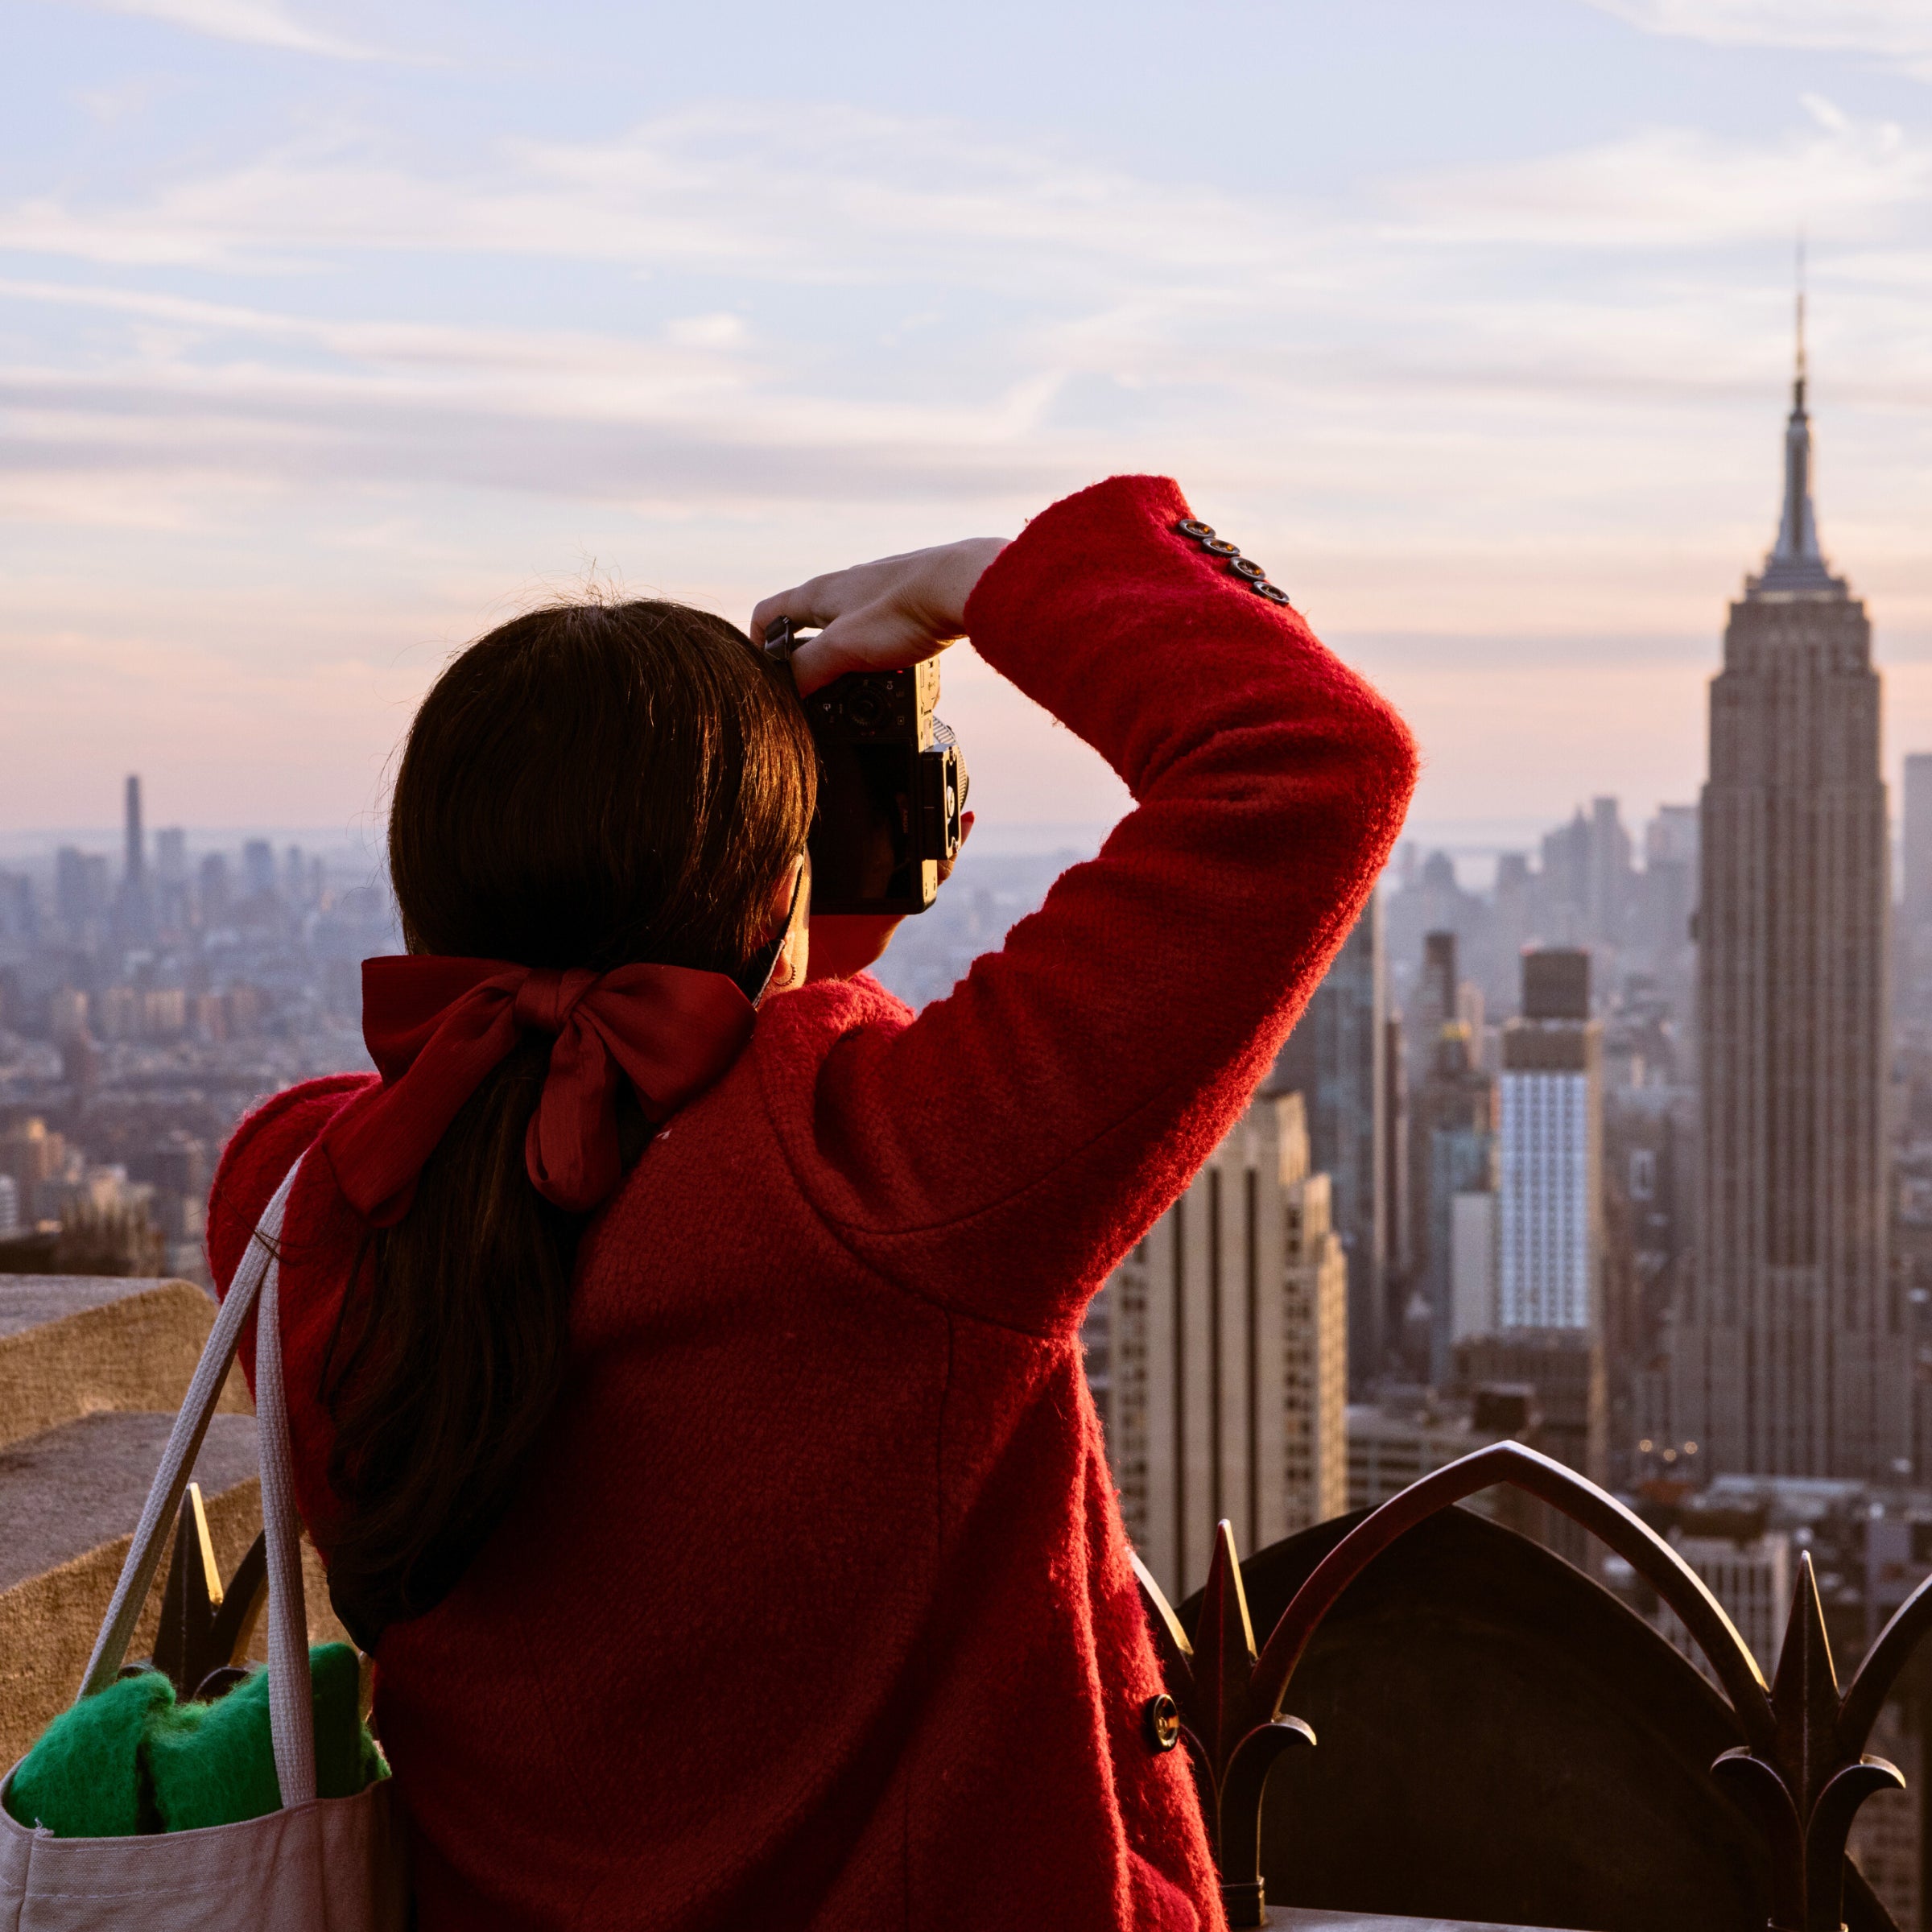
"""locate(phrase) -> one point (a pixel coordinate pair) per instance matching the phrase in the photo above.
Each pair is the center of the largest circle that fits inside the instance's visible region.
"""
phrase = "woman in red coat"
(720, 1493)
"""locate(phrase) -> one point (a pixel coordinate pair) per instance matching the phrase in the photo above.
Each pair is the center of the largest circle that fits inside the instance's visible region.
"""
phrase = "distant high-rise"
(1433, 1009)
(1607, 879)
(1668, 892)
(1915, 912)
(1671, 837)
(1217, 1353)
(1333, 1060)
(1549, 1152)
(1585, 886)
(213, 890)
(1548, 1333)
(79, 887)
(134, 871)
(1452, 1144)
(1395, 1163)
(1435, 999)
(259, 867)
(1789, 1358)
(133, 913)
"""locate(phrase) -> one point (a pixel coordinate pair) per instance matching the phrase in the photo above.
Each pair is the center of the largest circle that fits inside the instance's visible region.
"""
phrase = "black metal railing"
(1803, 1770)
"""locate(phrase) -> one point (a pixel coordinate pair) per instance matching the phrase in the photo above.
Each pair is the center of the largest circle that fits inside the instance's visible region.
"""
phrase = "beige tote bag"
(317, 1865)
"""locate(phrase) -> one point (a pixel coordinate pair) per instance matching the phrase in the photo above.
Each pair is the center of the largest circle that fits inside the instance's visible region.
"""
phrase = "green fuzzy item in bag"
(214, 1764)
(83, 1779)
(132, 1760)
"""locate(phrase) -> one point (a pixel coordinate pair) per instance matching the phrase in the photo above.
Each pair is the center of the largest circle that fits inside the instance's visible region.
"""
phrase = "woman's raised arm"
(1002, 1152)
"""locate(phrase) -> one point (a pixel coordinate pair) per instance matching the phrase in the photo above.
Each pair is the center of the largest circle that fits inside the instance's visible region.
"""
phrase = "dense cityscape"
(1621, 1148)
(146, 1003)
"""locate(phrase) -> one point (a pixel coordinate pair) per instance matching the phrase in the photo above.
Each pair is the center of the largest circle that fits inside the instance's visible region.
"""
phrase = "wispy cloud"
(704, 188)
(252, 22)
(1892, 30)
(1680, 188)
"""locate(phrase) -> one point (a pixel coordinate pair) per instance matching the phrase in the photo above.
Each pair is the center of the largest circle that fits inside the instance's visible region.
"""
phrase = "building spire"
(1795, 562)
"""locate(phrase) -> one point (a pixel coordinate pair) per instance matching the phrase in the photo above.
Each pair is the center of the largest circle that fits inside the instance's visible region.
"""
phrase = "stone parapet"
(76, 1345)
(92, 1371)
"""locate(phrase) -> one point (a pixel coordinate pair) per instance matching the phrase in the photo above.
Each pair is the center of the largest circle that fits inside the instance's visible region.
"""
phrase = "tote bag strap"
(291, 1725)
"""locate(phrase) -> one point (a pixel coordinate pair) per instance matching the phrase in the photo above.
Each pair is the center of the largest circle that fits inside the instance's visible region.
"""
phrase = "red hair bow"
(435, 1027)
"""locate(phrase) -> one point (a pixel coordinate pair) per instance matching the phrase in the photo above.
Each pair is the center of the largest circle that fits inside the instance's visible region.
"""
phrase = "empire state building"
(1789, 1357)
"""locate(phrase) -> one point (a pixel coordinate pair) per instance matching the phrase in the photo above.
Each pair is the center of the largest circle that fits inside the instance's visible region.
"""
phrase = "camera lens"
(867, 706)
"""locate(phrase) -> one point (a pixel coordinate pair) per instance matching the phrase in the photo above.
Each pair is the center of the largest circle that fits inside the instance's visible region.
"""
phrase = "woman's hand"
(883, 615)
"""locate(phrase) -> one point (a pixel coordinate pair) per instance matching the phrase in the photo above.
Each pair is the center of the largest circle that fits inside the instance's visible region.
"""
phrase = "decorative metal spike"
(1223, 1652)
(1804, 1695)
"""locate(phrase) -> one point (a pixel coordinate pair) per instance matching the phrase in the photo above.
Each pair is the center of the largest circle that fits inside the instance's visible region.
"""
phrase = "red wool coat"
(814, 1610)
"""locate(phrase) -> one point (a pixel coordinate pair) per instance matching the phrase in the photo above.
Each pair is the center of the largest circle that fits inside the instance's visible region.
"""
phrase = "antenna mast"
(1798, 385)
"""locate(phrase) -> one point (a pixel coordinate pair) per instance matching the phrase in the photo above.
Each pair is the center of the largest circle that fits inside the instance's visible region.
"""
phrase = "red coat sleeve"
(1003, 1151)
(257, 1157)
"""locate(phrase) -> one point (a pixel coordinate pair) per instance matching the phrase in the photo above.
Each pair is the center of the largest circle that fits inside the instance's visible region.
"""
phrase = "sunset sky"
(332, 334)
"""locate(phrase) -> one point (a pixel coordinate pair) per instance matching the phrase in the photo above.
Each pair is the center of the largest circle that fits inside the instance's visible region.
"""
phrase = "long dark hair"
(587, 786)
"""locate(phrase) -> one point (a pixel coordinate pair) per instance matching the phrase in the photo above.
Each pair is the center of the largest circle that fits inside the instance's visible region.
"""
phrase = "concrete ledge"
(69, 1502)
(73, 1345)
(67, 1492)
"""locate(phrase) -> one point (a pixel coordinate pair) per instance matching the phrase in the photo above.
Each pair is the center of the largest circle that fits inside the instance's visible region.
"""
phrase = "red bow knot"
(435, 1027)
(545, 999)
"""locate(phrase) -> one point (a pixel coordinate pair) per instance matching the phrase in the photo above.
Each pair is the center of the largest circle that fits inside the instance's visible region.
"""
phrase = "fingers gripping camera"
(892, 786)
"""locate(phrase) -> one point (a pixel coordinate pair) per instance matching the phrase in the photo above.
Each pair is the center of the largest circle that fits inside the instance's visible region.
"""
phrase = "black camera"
(892, 784)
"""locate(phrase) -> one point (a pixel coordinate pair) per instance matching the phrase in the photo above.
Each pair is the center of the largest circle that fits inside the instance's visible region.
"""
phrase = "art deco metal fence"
(1803, 1770)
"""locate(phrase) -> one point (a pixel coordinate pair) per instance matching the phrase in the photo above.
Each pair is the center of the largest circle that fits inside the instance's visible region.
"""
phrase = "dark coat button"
(1220, 546)
(1161, 1721)
(1273, 593)
(1193, 526)
(1246, 567)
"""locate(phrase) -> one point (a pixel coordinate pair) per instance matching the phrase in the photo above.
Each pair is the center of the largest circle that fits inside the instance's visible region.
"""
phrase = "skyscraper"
(1550, 1224)
(1217, 1353)
(1333, 1060)
(134, 874)
(134, 911)
(1915, 911)
(1607, 876)
(1549, 1152)
(1789, 1358)
(1451, 1144)
(80, 888)
(259, 867)
(1666, 895)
